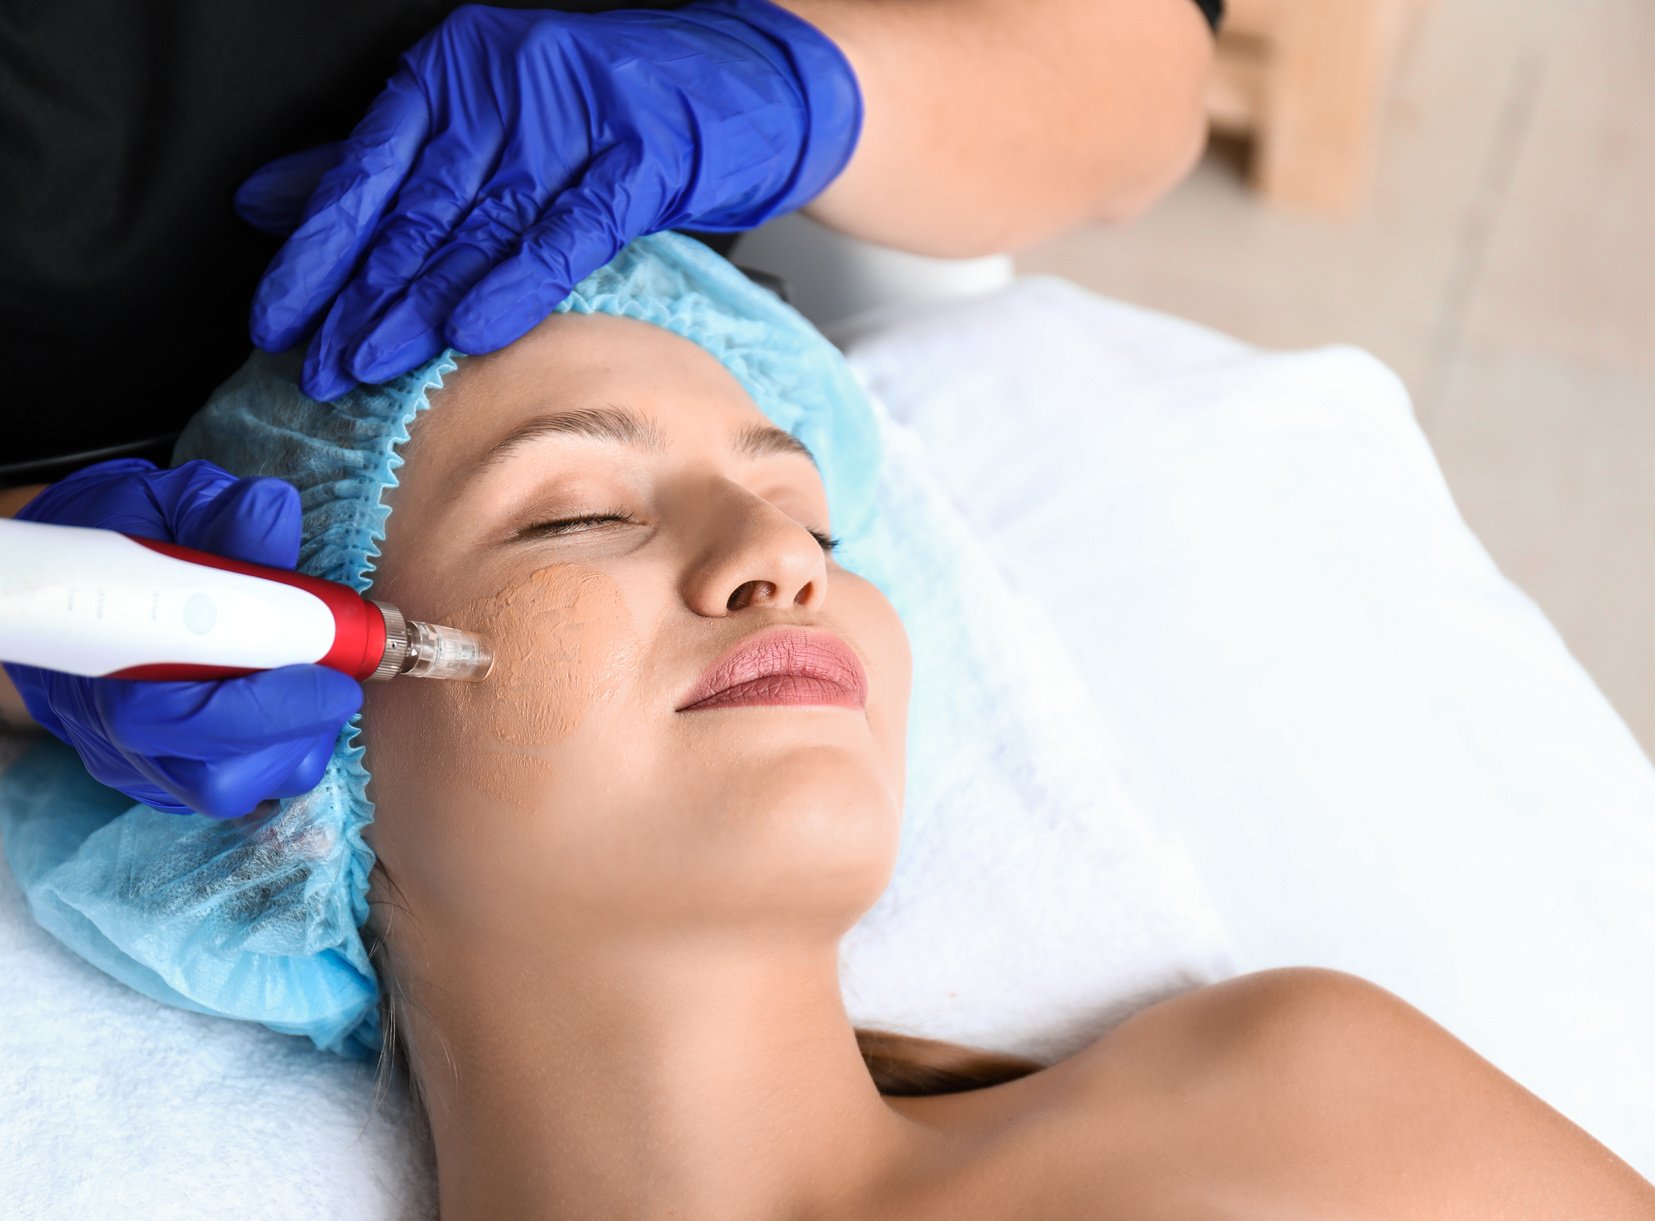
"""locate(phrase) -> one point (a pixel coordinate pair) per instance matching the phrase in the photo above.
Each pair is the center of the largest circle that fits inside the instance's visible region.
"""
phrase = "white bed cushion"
(1378, 751)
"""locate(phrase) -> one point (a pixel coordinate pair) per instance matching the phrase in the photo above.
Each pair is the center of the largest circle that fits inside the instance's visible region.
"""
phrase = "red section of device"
(358, 627)
(180, 671)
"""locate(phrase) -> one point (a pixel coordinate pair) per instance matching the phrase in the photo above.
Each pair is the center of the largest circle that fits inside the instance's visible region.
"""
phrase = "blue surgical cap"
(260, 918)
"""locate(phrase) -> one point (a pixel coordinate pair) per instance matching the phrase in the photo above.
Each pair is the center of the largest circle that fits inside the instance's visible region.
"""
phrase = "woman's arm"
(991, 124)
(13, 499)
(13, 715)
(12, 711)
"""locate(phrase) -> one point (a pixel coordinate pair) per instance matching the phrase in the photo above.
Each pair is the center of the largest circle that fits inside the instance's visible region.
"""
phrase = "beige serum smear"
(563, 640)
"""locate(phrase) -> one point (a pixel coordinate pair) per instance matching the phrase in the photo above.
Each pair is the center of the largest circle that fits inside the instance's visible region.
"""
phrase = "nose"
(752, 554)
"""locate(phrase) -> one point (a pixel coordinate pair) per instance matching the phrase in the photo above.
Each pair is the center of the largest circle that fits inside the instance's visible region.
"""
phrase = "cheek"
(563, 640)
(884, 640)
(445, 757)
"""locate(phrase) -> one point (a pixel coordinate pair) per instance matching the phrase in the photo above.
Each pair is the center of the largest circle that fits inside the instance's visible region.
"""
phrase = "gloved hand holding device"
(513, 152)
(218, 748)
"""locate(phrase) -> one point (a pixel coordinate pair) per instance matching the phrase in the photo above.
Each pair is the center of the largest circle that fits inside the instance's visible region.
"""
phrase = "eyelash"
(828, 543)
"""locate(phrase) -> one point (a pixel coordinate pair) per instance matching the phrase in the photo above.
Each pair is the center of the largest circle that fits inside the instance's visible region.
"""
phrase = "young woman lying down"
(603, 891)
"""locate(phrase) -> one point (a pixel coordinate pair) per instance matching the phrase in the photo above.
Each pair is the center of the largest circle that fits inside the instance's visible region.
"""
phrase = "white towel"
(1378, 752)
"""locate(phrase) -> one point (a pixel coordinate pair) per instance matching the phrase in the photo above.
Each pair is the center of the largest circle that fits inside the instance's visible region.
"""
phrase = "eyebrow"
(621, 425)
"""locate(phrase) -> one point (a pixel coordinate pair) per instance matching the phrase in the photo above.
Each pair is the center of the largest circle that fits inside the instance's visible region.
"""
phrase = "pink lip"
(782, 665)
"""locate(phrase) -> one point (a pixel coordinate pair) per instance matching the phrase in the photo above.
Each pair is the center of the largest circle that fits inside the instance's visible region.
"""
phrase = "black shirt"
(125, 128)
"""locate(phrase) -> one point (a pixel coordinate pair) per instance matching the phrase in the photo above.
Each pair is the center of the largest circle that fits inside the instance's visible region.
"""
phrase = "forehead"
(571, 361)
(452, 503)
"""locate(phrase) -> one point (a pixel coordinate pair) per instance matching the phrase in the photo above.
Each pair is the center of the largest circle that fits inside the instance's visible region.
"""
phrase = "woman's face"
(566, 792)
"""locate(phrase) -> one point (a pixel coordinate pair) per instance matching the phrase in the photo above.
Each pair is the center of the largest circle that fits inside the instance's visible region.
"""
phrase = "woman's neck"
(698, 1083)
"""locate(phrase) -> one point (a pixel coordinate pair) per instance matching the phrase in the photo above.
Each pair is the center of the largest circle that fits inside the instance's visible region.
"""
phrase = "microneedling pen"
(108, 605)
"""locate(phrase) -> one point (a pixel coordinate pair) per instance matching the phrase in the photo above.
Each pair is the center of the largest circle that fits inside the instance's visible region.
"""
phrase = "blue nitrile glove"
(513, 152)
(218, 748)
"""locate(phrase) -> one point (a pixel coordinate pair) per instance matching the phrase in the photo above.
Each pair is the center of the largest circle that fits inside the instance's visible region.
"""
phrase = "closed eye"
(541, 529)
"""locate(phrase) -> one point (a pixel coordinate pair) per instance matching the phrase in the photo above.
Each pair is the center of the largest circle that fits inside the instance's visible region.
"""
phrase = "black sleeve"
(125, 128)
(1213, 11)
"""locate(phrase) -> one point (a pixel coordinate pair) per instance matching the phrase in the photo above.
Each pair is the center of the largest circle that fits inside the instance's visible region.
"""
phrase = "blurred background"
(1465, 188)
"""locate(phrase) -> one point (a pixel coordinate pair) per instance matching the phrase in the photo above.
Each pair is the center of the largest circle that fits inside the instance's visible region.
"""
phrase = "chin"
(803, 808)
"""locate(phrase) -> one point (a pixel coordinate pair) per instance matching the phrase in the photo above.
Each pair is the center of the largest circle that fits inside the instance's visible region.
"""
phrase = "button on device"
(200, 613)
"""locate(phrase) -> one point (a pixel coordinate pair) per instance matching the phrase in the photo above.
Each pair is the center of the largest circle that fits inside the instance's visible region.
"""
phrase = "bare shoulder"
(1076, 1140)
(1266, 1096)
(1134, 1125)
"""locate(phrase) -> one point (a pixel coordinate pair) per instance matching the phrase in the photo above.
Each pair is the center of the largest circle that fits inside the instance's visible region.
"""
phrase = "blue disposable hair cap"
(260, 918)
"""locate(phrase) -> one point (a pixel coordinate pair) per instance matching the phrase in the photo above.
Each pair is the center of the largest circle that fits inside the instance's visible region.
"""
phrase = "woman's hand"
(218, 748)
(515, 151)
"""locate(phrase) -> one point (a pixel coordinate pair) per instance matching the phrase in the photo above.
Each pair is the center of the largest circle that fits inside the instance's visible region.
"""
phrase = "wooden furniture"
(1305, 80)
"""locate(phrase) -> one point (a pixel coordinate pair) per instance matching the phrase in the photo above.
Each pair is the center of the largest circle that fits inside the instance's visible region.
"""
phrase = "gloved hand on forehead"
(217, 748)
(514, 152)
